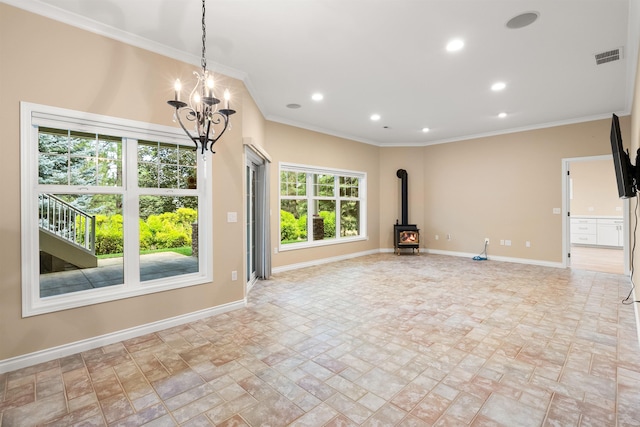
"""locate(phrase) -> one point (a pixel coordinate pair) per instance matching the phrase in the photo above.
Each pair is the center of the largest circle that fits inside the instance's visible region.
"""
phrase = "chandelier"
(202, 107)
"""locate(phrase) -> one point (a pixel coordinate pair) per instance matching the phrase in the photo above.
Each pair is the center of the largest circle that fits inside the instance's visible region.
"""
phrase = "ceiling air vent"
(608, 56)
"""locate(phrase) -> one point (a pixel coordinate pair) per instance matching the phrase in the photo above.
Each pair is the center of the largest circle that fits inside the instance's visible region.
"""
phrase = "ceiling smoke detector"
(609, 56)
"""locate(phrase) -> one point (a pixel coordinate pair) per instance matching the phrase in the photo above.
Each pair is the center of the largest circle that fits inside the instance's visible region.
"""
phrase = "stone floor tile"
(448, 342)
(511, 412)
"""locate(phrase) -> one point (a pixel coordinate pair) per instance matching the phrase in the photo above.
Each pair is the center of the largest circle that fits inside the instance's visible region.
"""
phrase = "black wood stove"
(405, 235)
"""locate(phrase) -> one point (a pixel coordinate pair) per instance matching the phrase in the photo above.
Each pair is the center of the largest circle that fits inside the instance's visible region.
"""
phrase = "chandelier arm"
(193, 139)
(225, 118)
(205, 143)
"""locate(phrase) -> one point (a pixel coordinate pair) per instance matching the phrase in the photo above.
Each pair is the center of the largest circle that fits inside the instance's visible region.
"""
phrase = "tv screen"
(625, 172)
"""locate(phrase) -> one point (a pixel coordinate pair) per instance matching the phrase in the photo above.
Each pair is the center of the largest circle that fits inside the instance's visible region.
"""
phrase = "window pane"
(53, 141)
(293, 221)
(166, 166)
(53, 169)
(168, 236)
(53, 160)
(168, 177)
(109, 161)
(168, 153)
(147, 151)
(324, 223)
(350, 218)
(293, 183)
(323, 185)
(147, 175)
(82, 171)
(81, 242)
(82, 144)
(186, 155)
(349, 186)
(188, 177)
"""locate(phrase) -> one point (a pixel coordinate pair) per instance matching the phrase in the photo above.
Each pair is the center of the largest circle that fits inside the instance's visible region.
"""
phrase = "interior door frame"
(251, 188)
(257, 158)
(566, 214)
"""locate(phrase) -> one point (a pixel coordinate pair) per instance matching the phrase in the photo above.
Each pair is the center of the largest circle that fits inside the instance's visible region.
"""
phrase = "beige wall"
(595, 192)
(409, 159)
(505, 188)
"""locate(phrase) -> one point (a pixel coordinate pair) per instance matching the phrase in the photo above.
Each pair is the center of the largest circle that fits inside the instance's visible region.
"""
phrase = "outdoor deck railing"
(67, 222)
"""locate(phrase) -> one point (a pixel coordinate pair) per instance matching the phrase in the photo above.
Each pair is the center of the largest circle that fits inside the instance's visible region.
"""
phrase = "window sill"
(112, 293)
(306, 245)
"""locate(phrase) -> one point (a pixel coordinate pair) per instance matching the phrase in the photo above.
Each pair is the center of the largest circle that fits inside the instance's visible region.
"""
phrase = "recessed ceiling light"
(502, 115)
(294, 106)
(375, 117)
(522, 20)
(455, 45)
(498, 86)
(425, 130)
(317, 97)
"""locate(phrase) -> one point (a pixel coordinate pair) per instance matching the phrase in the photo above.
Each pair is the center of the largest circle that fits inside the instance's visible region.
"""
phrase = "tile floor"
(381, 340)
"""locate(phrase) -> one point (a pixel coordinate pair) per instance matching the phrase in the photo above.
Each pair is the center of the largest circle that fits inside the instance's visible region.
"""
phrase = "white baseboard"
(48, 354)
(498, 258)
(422, 251)
(322, 261)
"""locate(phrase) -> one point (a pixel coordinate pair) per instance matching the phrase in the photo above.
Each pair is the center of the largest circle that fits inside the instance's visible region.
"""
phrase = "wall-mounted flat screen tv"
(625, 171)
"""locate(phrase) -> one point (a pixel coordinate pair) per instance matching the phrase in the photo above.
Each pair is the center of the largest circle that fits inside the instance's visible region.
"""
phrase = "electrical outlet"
(234, 275)
(486, 240)
(437, 237)
(507, 242)
(527, 244)
(448, 236)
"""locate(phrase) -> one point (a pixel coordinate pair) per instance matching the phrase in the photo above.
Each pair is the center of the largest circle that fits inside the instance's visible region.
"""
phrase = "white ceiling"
(388, 57)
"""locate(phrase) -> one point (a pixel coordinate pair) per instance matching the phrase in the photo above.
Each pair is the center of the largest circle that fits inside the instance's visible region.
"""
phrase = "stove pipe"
(402, 174)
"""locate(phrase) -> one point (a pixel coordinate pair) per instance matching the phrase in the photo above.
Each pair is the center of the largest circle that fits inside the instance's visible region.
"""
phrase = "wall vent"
(609, 56)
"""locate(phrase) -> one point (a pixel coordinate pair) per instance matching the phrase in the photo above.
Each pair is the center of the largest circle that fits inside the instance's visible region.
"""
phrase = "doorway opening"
(596, 223)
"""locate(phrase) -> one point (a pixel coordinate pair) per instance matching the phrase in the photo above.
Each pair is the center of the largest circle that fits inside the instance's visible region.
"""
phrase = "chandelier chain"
(204, 38)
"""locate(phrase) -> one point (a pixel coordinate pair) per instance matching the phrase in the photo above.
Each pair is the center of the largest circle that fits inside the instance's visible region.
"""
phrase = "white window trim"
(32, 116)
(362, 188)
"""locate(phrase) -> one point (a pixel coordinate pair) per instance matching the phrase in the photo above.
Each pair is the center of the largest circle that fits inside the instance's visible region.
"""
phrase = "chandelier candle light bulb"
(210, 123)
(178, 87)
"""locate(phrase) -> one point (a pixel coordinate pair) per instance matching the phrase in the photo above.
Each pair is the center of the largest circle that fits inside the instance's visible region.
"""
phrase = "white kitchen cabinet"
(594, 231)
(609, 232)
(583, 231)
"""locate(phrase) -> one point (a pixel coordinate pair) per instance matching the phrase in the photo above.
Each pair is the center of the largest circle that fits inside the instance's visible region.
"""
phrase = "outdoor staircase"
(67, 236)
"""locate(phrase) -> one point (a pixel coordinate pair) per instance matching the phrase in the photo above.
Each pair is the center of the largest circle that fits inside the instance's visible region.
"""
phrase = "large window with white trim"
(110, 209)
(320, 206)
